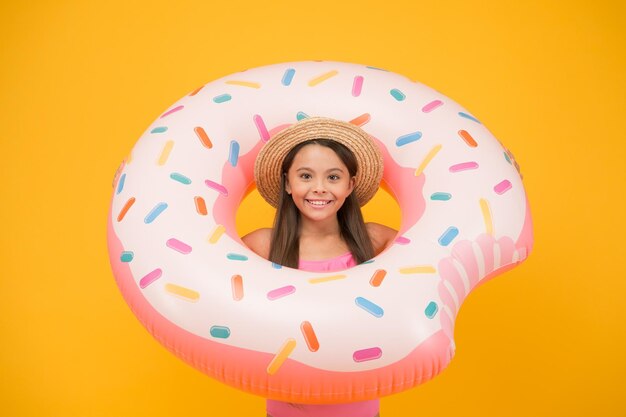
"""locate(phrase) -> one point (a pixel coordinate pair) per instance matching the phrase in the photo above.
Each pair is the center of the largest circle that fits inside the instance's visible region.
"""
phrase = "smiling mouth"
(319, 203)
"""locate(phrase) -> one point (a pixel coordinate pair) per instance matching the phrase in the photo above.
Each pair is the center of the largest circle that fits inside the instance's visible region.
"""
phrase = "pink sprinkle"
(217, 187)
(432, 106)
(401, 240)
(357, 85)
(178, 246)
(281, 292)
(502, 187)
(150, 278)
(367, 354)
(464, 166)
(174, 110)
(260, 125)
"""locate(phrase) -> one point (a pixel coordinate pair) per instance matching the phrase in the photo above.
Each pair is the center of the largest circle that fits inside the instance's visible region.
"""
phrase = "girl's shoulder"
(381, 236)
(259, 241)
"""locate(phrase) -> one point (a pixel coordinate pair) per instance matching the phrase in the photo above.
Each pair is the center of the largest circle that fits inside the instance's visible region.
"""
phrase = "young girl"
(318, 173)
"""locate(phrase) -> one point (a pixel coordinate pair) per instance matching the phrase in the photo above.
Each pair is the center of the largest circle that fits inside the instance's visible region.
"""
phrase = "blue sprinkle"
(222, 98)
(431, 309)
(236, 257)
(180, 178)
(467, 116)
(127, 256)
(233, 155)
(160, 129)
(301, 115)
(411, 137)
(120, 184)
(379, 69)
(448, 236)
(368, 262)
(370, 307)
(158, 209)
(506, 156)
(221, 332)
(276, 266)
(288, 76)
(397, 94)
(441, 196)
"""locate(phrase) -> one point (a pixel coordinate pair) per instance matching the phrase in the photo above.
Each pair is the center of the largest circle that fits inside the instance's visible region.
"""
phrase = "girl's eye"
(333, 177)
(305, 176)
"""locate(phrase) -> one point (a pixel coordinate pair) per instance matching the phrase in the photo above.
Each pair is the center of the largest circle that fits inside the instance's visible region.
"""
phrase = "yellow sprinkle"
(315, 81)
(165, 153)
(128, 158)
(486, 210)
(326, 279)
(185, 293)
(217, 233)
(244, 83)
(281, 356)
(427, 160)
(419, 269)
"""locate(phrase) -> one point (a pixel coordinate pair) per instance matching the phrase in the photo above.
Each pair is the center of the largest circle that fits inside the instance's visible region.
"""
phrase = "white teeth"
(318, 203)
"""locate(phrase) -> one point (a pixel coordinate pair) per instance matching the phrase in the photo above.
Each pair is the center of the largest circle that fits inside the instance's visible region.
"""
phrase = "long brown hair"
(285, 240)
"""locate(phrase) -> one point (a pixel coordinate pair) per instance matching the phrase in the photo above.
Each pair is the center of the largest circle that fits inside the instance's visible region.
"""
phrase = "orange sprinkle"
(468, 138)
(204, 138)
(361, 120)
(378, 277)
(237, 285)
(196, 91)
(281, 356)
(124, 210)
(309, 336)
(200, 205)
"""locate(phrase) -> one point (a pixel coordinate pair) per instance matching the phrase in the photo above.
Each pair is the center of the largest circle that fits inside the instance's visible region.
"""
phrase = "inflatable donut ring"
(358, 334)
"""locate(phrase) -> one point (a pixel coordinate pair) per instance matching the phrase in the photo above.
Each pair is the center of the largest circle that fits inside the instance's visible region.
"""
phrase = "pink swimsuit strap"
(344, 261)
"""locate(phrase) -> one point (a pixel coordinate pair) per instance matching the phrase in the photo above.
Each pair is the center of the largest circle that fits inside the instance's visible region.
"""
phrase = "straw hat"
(267, 169)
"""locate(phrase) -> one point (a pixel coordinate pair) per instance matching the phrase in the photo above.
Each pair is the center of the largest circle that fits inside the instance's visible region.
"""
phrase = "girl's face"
(319, 182)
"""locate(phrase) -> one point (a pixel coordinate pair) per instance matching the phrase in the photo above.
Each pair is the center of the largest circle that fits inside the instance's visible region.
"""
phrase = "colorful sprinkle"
(221, 332)
(222, 98)
(150, 278)
(378, 277)
(236, 257)
(180, 178)
(374, 309)
(361, 120)
(276, 266)
(440, 196)
(160, 129)
(165, 153)
(260, 126)
(281, 356)
(250, 84)
(448, 236)
(408, 138)
(182, 292)
(432, 106)
(326, 279)
(200, 205)
(464, 134)
(233, 153)
(309, 336)
(418, 269)
(178, 246)
(154, 213)
(357, 85)
(196, 91)
(487, 219)
(429, 157)
(301, 116)
(125, 209)
(281, 292)
(217, 187)
(502, 187)
(508, 158)
(367, 354)
(174, 110)
(288, 76)
(127, 256)
(217, 233)
(204, 138)
(378, 69)
(401, 240)
(431, 309)
(470, 117)
(236, 284)
(317, 80)
(397, 94)
(463, 166)
(120, 184)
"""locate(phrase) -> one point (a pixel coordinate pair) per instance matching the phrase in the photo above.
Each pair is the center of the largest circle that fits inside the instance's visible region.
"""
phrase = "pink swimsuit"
(358, 409)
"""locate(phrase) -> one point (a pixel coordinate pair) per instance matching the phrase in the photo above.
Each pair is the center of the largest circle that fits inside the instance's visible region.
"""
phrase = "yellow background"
(80, 81)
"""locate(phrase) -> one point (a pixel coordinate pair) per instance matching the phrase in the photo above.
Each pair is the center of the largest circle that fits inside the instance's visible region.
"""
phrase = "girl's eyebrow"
(328, 170)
